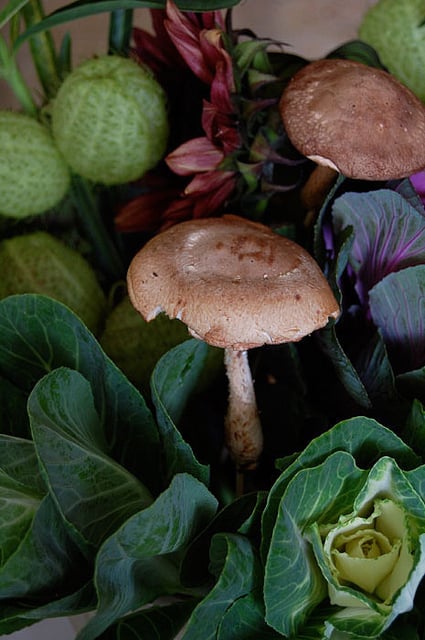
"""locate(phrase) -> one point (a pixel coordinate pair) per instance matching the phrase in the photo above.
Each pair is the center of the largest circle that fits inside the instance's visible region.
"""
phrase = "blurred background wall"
(309, 27)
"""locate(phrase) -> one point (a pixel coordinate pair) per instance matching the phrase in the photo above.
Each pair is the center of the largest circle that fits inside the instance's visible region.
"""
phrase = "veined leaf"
(174, 378)
(244, 620)
(38, 335)
(42, 563)
(94, 493)
(364, 438)
(141, 560)
(15, 615)
(236, 566)
(397, 305)
(389, 234)
(293, 584)
(162, 621)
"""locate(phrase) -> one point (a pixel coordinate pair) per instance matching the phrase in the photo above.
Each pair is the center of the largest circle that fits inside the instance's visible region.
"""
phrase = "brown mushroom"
(237, 285)
(353, 119)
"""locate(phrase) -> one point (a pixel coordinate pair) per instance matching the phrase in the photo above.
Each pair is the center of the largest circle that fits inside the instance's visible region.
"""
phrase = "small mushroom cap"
(234, 283)
(357, 119)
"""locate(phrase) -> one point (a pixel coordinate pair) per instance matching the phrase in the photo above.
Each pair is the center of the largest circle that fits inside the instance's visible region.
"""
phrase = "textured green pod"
(136, 345)
(40, 263)
(109, 120)
(394, 28)
(33, 174)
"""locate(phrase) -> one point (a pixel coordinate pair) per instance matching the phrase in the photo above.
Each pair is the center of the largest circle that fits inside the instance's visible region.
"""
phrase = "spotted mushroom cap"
(356, 119)
(233, 282)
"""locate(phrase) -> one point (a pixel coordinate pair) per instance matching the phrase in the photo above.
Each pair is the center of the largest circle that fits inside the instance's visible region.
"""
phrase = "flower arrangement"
(120, 492)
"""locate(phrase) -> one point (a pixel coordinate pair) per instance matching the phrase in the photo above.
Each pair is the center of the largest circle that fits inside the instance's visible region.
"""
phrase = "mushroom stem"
(244, 435)
(315, 190)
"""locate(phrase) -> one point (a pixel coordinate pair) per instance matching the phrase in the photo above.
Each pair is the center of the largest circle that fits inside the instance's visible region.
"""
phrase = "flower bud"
(40, 263)
(33, 174)
(109, 119)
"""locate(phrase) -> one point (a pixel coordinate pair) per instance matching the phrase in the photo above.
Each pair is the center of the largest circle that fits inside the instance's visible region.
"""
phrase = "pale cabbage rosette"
(345, 546)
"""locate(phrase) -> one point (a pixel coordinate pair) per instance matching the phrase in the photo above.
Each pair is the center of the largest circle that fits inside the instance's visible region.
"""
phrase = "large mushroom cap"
(233, 282)
(357, 119)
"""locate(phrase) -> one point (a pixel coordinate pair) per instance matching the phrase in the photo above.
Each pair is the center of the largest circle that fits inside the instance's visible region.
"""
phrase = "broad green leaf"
(414, 429)
(43, 563)
(385, 479)
(293, 585)
(395, 28)
(94, 493)
(236, 566)
(162, 621)
(18, 459)
(364, 438)
(37, 335)
(244, 620)
(173, 380)
(141, 560)
(397, 306)
(16, 615)
(330, 345)
(83, 9)
(240, 516)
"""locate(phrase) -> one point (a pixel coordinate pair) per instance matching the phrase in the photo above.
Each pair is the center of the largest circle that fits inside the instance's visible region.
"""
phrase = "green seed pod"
(40, 263)
(33, 174)
(109, 119)
(136, 345)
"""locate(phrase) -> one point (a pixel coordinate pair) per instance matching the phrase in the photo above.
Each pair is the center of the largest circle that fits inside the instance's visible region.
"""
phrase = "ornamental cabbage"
(344, 535)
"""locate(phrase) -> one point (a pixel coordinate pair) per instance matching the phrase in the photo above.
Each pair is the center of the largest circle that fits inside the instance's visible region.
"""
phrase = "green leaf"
(141, 560)
(173, 380)
(358, 51)
(43, 563)
(11, 9)
(94, 493)
(38, 335)
(152, 623)
(83, 9)
(235, 564)
(397, 307)
(293, 585)
(364, 438)
(244, 620)
(240, 516)
(15, 615)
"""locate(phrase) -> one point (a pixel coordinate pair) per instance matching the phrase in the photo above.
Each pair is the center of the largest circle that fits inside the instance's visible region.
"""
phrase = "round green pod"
(40, 263)
(136, 345)
(110, 121)
(33, 175)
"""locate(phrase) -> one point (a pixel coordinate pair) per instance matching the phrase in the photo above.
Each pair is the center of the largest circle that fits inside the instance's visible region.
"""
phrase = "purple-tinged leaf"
(397, 306)
(389, 235)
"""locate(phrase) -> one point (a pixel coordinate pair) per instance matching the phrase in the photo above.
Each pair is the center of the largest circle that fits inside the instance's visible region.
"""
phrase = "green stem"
(104, 249)
(11, 73)
(42, 50)
(120, 26)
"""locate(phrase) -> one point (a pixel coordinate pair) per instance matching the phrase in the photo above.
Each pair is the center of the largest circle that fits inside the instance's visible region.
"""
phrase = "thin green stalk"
(105, 251)
(42, 50)
(120, 26)
(9, 70)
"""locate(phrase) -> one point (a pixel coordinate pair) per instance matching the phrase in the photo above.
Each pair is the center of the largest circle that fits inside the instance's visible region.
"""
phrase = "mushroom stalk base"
(244, 435)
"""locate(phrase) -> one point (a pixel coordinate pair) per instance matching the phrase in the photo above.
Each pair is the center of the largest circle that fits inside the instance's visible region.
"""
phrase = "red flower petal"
(198, 154)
